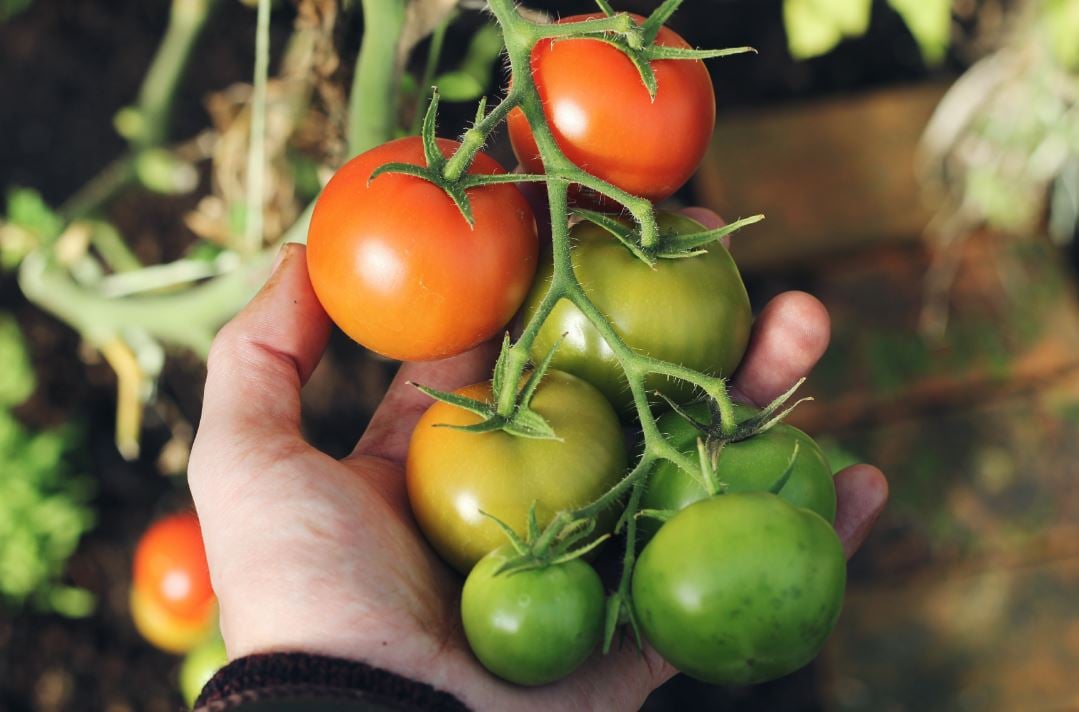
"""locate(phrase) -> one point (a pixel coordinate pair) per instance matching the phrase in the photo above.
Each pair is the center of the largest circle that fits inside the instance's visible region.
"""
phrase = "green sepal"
(499, 373)
(768, 417)
(460, 199)
(662, 515)
(619, 612)
(519, 544)
(470, 404)
(407, 169)
(654, 52)
(488, 425)
(700, 426)
(577, 553)
(624, 233)
(533, 523)
(644, 68)
(539, 370)
(527, 423)
(481, 110)
(435, 159)
(675, 246)
(781, 481)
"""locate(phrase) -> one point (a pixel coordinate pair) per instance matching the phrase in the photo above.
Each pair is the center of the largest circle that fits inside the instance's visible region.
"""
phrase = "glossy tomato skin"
(605, 122)
(164, 629)
(398, 268)
(532, 627)
(740, 588)
(751, 465)
(692, 311)
(452, 475)
(170, 568)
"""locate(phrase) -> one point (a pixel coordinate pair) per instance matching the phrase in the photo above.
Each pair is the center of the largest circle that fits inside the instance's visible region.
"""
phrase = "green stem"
(154, 105)
(475, 137)
(372, 103)
(256, 155)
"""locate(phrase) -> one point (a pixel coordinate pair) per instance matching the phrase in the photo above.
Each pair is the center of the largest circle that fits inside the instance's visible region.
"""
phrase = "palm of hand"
(312, 554)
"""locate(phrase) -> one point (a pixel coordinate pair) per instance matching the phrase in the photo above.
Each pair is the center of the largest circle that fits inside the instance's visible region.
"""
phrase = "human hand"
(316, 555)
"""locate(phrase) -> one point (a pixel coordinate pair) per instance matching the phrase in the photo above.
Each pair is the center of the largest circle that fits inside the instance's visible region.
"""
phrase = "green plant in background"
(44, 506)
(815, 27)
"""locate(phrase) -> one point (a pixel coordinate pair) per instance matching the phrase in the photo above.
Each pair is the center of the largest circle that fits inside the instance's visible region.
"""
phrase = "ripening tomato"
(453, 475)
(532, 626)
(740, 588)
(397, 267)
(693, 311)
(170, 568)
(750, 465)
(164, 629)
(605, 122)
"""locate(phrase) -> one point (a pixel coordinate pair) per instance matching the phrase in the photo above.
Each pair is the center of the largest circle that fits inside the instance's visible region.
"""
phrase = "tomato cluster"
(744, 579)
(172, 601)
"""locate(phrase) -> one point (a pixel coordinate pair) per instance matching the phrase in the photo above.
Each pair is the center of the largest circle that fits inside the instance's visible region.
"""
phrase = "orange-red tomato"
(604, 121)
(171, 571)
(399, 269)
(164, 629)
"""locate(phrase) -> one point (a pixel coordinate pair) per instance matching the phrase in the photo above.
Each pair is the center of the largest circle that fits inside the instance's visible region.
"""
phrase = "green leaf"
(930, 22)
(815, 27)
(27, 209)
(16, 373)
(11, 8)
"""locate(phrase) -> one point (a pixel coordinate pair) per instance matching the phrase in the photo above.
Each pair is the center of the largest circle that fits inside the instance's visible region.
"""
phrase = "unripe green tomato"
(740, 588)
(535, 626)
(692, 311)
(199, 666)
(751, 465)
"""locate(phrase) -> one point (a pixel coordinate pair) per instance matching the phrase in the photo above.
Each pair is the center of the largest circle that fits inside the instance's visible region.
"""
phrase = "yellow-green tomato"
(692, 311)
(740, 588)
(533, 626)
(199, 666)
(751, 465)
(453, 475)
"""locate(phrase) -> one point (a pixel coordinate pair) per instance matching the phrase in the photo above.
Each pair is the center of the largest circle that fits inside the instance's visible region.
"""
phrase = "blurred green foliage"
(44, 506)
(11, 8)
(815, 27)
(28, 222)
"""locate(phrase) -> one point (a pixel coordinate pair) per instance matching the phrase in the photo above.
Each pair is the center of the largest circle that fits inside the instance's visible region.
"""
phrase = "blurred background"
(918, 164)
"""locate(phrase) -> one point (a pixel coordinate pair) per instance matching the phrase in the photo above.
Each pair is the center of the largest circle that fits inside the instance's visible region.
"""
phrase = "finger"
(861, 493)
(789, 337)
(260, 360)
(392, 424)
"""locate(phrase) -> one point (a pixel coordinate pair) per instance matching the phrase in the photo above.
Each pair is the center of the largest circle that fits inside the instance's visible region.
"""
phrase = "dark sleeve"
(290, 682)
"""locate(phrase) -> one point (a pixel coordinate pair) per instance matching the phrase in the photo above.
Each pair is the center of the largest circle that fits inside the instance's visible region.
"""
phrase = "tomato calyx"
(559, 542)
(520, 419)
(451, 174)
(642, 50)
(719, 431)
(668, 243)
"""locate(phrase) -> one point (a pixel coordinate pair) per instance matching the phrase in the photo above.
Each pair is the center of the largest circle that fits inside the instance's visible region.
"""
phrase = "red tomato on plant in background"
(171, 570)
(605, 122)
(400, 270)
(164, 629)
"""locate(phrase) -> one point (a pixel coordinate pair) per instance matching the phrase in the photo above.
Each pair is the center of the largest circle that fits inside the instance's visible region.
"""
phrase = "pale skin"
(312, 554)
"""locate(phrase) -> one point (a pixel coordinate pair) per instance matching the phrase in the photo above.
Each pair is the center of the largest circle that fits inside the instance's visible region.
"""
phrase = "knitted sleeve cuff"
(281, 678)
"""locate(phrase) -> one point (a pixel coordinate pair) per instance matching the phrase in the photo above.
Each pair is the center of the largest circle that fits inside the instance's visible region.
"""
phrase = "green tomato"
(751, 465)
(740, 588)
(692, 311)
(536, 626)
(199, 666)
(454, 476)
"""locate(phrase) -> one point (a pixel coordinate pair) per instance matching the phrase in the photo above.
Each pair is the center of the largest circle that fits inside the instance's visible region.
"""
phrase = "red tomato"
(171, 570)
(399, 269)
(604, 121)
